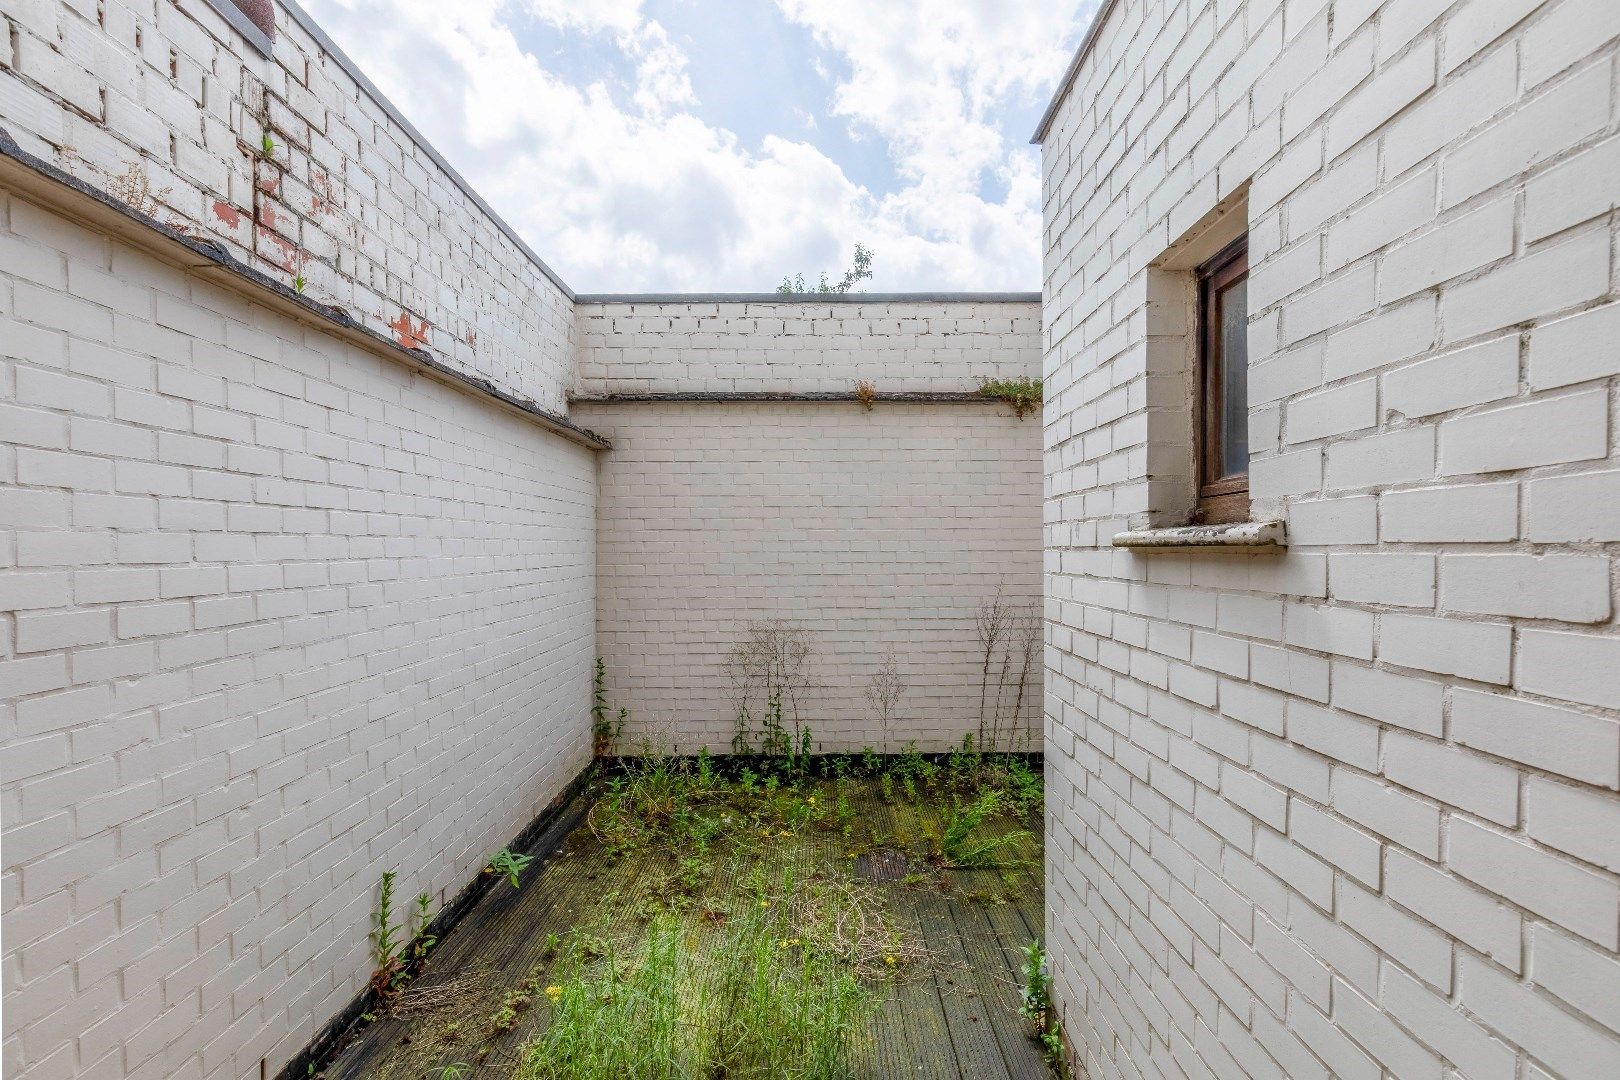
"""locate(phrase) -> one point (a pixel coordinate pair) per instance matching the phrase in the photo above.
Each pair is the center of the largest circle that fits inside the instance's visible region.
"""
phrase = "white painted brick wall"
(871, 530)
(276, 615)
(1429, 673)
(798, 346)
(349, 200)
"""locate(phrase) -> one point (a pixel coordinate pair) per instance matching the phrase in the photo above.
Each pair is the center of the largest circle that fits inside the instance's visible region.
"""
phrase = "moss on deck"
(940, 959)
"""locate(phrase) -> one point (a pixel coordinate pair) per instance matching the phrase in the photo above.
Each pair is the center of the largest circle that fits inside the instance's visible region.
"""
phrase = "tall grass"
(752, 1003)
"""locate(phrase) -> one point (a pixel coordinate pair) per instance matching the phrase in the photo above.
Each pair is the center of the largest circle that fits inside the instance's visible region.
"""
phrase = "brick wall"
(872, 531)
(1349, 810)
(799, 346)
(276, 615)
(167, 106)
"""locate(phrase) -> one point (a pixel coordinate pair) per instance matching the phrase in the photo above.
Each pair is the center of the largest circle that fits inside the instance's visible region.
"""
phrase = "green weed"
(961, 846)
(509, 865)
(1023, 394)
(605, 731)
(396, 950)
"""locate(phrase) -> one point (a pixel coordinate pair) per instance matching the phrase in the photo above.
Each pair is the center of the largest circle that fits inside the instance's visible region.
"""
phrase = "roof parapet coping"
(812, 298)
(1073, 70)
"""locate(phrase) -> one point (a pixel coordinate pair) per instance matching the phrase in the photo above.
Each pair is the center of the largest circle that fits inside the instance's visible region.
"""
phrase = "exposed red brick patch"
(261, 13)
(288, 257)
(270, 184)
(411, 337)
(324, 198)
(227, 213)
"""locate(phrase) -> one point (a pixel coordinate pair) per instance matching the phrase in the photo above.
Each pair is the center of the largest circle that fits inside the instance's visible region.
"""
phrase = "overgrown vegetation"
(860, 270)
(779, 895)
(749, 998)
(754, 947)
(1023, 394)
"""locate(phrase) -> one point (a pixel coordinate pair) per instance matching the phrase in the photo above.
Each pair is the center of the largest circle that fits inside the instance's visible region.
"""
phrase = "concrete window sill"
(1241, 535)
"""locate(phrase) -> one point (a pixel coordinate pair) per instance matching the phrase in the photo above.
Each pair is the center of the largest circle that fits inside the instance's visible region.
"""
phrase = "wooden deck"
(956, 1016)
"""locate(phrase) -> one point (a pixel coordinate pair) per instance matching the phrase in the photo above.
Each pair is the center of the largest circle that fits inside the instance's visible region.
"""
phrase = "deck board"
(957, 1018)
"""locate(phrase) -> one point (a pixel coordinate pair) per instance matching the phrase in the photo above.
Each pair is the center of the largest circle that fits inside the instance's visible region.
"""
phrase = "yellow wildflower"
(889, 960)
(553, 992)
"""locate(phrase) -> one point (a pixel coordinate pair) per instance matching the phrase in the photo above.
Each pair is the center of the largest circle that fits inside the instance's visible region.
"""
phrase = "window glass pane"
(1234, 305)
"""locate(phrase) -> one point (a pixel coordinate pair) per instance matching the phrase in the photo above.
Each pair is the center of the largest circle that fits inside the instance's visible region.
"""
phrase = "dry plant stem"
(456, 993)
(990, 625)
(1030, 639)
(770, 665)
(884, 690)
(1009, 640)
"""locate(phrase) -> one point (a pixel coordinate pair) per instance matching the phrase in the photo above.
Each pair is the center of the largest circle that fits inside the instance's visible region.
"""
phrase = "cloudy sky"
(644, 145)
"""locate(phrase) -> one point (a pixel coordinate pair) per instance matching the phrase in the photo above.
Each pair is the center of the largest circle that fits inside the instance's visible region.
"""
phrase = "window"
(1221, 433)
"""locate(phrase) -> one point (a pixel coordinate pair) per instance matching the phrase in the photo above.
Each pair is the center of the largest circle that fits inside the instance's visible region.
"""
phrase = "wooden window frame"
(1222, 498)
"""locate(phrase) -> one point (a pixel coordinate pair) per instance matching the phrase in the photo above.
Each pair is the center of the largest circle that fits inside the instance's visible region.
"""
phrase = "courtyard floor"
(851, 888)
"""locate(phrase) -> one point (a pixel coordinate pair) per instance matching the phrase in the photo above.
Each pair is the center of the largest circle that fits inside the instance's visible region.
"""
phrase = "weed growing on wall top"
(865, 393)
(859, 271)
(1023, 394)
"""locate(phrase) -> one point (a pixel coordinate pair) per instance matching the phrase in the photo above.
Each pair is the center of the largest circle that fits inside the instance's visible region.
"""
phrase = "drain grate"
(885, 864)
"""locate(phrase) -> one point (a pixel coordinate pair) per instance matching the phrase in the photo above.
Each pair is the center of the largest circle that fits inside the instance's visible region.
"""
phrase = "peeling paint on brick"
(408, 335)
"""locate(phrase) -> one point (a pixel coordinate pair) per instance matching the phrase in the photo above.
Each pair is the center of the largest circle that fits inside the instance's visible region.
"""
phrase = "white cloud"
(638, 192)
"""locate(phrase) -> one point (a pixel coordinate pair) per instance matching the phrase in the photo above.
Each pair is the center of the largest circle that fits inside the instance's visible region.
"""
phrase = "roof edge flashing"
(811, 298)
(1065, 84)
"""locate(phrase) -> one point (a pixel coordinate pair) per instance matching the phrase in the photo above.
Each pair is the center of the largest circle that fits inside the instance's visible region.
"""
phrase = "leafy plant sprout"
(1036, 991)
(505, 863)
(398, 950)
(605, 732)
